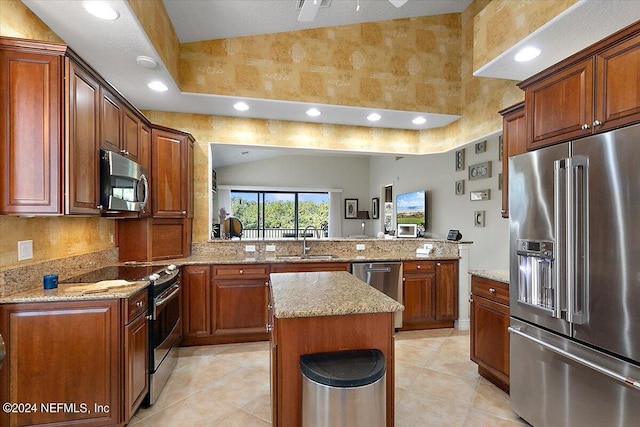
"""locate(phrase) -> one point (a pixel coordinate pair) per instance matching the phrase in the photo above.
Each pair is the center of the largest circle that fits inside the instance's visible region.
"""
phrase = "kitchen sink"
(307, 256)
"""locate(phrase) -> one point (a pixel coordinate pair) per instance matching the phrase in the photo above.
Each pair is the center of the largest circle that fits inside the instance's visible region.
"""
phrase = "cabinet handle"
(124, 152)
(470, 300)
(139, 304)
(266, 283)
(585, 126)
(99, 207)
(184, 212)
(241, 271)
(149, 316)
(270, 306)
(438, 264)
(418, 267)
(269, 327)
(597, 123)
(492, 291)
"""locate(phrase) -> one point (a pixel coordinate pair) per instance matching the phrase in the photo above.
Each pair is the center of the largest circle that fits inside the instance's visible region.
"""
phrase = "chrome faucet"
(305, 248)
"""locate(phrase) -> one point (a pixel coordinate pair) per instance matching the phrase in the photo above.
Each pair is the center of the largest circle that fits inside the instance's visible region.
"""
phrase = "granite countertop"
(326, 294)
(497, 275)
(261, 259)
(77, 292)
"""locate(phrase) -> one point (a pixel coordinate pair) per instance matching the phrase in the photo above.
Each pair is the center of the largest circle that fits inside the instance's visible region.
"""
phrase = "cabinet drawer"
(136, 305)
(490, 289)
(240, 271)
(418, 266)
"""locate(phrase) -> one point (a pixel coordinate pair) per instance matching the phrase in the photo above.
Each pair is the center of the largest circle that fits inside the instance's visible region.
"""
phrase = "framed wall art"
(459, 160)
(480, 171)
(350, 208)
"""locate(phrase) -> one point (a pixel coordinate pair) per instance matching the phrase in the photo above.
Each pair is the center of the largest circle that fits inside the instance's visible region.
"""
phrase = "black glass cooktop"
(115, 272)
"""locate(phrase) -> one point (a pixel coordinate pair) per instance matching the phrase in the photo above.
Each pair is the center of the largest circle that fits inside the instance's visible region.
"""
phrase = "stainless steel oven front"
(165, 329)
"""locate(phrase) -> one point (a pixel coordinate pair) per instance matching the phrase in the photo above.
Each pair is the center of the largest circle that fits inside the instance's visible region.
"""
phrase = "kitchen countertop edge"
(496, 275)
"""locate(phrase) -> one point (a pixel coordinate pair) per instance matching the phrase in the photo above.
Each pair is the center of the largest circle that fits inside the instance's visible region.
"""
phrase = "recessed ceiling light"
(101, 10)
(419, 121)
(158, 86)
(241, 106)
(374, 117)
(527, 54)
(313, 112)
(146, 62)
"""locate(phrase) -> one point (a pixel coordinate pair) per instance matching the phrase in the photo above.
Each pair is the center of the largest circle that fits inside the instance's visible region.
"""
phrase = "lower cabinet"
(489, 334)
(225, 303)
(430, 294)
(74, 362)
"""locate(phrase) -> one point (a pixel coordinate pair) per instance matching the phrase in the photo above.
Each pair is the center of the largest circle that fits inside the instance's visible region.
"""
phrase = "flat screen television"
(411, 214)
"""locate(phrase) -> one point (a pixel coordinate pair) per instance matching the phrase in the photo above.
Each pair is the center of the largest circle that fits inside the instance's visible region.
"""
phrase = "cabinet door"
(514, 142)
(110, 122)
(30, 133)
(196, 294)
(560, 107)
(188, 195)
(240, 306)
(66, 352)
(136, 368)
(618, 85)
(418, 298)
(83, 145)
(168, 174)
(489, 337)
(446, 290)
(169, 238)
(132, 135)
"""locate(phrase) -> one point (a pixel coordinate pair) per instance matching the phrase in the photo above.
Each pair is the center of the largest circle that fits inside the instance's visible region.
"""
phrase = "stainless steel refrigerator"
(575, 282)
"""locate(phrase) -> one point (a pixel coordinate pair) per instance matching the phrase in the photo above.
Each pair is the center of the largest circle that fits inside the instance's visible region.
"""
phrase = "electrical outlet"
(360, 247)
(25, 249)
(249, 248)
(270, 248)
(111, 239)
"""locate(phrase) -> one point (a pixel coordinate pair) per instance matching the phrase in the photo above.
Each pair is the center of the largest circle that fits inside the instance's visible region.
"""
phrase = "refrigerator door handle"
(608, 372)
(560, 217)
(577, 237)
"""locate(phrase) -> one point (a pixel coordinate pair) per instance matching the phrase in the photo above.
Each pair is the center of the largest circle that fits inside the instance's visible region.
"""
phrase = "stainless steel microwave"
(123, 183)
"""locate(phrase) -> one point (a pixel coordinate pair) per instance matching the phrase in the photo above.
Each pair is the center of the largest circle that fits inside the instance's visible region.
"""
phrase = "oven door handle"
(164, 300)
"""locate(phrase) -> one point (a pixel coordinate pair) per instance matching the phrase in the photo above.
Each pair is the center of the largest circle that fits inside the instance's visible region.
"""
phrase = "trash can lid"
(349, 368)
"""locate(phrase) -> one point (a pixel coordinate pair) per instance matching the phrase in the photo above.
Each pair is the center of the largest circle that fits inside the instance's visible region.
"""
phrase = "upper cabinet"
(172, 173)
(56, 113)
(593, 91)
(31, 129)
(514, 142)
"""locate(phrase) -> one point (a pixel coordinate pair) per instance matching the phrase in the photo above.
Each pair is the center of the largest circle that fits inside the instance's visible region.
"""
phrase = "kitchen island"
(321, 312)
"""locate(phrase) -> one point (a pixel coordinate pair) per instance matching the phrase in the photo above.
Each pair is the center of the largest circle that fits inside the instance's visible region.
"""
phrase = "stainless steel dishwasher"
(385, 277)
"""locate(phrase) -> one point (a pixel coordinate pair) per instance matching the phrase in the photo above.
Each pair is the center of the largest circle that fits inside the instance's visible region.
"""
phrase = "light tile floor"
(228, 385)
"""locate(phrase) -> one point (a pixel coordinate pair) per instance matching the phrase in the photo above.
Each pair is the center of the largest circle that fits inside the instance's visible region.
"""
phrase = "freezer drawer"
(557, 382)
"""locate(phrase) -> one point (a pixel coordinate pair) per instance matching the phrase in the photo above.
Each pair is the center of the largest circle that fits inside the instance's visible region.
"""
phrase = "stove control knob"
(154, 276)
(171, 267)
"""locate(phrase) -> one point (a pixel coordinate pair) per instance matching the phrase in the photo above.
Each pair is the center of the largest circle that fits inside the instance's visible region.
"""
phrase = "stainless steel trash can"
(344, 389)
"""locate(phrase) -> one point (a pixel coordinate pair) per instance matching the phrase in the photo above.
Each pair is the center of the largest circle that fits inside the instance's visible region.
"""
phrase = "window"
(280, 214)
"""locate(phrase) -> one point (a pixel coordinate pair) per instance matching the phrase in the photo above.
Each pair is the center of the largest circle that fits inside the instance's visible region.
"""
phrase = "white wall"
(436, 173)
(349, 173)
(363, 179)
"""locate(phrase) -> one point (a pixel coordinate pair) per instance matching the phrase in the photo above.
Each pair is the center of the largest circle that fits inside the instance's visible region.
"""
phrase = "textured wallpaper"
(503, 23)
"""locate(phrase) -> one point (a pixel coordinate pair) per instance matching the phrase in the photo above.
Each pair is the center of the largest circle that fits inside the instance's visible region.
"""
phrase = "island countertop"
(326, 294)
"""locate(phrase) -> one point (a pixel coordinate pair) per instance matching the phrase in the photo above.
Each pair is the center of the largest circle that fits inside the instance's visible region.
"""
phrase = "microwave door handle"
(560, 234)
(145, 183)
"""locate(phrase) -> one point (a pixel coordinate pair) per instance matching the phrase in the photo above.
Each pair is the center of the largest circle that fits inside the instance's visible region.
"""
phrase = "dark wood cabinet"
(489, 335)
(430, 294)
(92, 355)
(136, 353)
(592, 91)
(132, 137)
(31, 129)
(514, 142)
(240, 295)
(172, 170)
(196, 300)
(111, 123)
(83, 144)
(66, 352)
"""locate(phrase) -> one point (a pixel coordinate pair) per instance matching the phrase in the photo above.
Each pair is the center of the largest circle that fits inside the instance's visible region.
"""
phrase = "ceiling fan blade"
(309, 10)
(398, 3)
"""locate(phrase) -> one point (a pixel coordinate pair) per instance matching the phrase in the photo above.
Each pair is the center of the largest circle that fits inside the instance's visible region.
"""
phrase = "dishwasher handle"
(378, 270)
